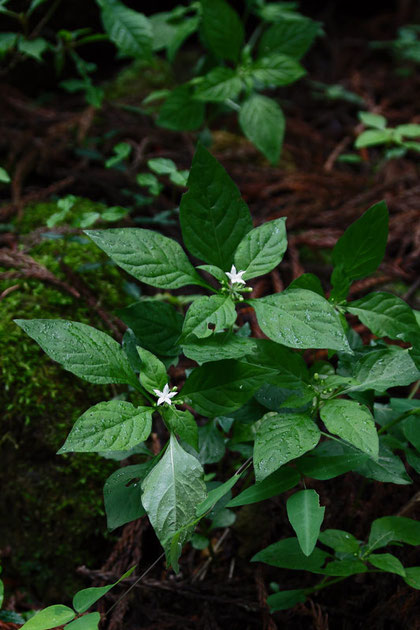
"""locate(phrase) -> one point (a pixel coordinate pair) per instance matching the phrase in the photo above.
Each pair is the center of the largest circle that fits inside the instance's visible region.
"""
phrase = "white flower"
(165, 396)
(235, 276)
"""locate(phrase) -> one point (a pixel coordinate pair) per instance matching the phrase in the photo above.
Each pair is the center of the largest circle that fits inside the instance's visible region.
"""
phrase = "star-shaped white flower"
(234, 276)
(165, 396)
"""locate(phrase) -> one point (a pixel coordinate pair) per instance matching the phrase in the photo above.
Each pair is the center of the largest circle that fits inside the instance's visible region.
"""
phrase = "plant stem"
(414, 390)
(324, 584)
(397, 420)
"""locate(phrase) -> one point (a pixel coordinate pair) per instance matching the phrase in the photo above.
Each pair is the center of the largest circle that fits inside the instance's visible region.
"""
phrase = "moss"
(54, 503)
(139, 79)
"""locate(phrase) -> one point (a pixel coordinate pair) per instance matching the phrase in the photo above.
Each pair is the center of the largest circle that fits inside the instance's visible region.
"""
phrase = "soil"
(51, 147)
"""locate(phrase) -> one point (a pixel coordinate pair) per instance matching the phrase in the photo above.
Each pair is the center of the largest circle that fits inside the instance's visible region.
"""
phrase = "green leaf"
(218, 85)
(328, 467)
(81, 349)
(381, 368)
(50, 617)
(276, 70)
(87, 622)
(289, 37)
(287, 554)
(281, 437)
(156, 325)
(262, 249)
(372, 137)
(389, 468)
(263, 123)
(214, 219)
(121, 151)
(211, 445)
(148, 256)
(361, 248)
(412, 577)
(290, 368)
(353, 423)
(343, 568)
(129, 30)
(409, 130)
(217, 347)
(339, 540)
(218, 388)
(151, 182)
(181, 423)
(305, 516)
(372, 120)
(109, 426)
(285, 599)
(4, 176)
(1, 591)
(215, 495)
(385, 315)
(222, 29)
(275, 484)
(85, 598)
(180, 111)
(33, 47)
(387, 562)
(122, 497)
(152, 371)
(7, 42)
(217, 311)
(411, 428)
(172, 492)
(308, 281)
(394, 529)
(300, 319)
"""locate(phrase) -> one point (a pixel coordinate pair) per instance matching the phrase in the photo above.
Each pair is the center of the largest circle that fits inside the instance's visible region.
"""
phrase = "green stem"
(324, 584)
(414, 390)
(397, 420)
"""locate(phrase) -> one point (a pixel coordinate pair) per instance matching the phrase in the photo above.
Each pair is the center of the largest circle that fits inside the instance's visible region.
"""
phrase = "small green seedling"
(396, 141)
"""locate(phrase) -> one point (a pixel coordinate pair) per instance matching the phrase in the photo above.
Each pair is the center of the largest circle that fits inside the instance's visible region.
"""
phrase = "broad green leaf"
(276, 70)
(285, 599)
(343, 568)
(122, 495)
(387, 562)
(85, 598)
(214, 219)
(222, 29)
(412, 577)
(218, 85)
(87, 622)
(151, 182)
(115, 425)
(411, 428)
(263, 123)
(152, 371)
(308, 281)
(129, 30)
(214, 271)
(386, 315)
(275, 484)
(409, 131)
(388, 468)
(281, 437)
(50, 617)
(339, 540)
(172, 492)
(161, 166)
(262, 249)
(289, 37)
(216, 494)
(361, 248)
(305, 516)
(181, 423)
(383, 368)
(180, 111)
(217, 347)
(287, 554)
(81, 349)
(372, 137)
(300, 319)
(148, 256)
(290, 368)
(33, 47)
(394, 529)
(353, 423)
(211, 445)
(329, 466)
(156, 325)
(372, 120)
(218, 388)
(7, 42)
(217, 311)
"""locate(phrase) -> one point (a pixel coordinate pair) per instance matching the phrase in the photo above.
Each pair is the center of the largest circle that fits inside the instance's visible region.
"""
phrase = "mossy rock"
(55, 517)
